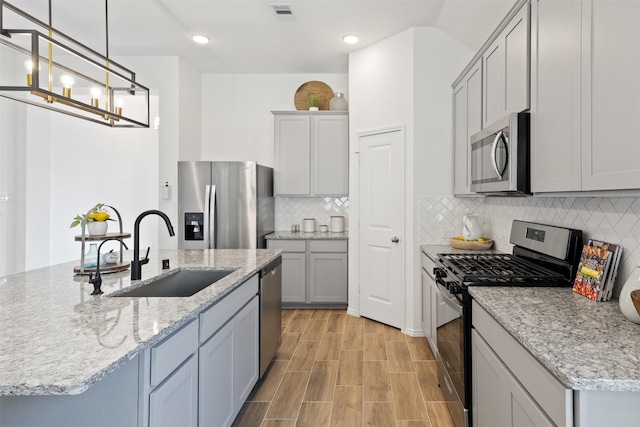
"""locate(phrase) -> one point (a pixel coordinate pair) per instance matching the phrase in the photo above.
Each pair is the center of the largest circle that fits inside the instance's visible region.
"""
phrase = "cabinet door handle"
(395, 239)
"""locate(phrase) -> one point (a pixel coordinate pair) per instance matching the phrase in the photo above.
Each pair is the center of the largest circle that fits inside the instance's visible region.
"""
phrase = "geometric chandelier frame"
(42, 66)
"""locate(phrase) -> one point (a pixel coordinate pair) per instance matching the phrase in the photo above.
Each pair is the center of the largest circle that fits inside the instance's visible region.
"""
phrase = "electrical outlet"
(5, 197)
(446, 233)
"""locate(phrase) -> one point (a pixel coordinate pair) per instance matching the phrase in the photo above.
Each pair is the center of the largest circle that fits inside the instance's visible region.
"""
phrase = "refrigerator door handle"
(207, 217)
(212, 217)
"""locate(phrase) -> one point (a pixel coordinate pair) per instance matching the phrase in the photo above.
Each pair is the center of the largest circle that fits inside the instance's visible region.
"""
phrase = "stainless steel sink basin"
(182, 283)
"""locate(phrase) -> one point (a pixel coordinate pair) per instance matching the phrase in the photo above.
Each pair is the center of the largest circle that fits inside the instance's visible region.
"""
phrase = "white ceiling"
(247, 37)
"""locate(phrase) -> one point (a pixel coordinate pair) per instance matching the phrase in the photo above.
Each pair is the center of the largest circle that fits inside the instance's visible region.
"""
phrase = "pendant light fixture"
(44, 67)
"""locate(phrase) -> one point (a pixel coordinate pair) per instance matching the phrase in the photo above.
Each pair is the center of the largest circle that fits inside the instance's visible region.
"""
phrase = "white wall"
(92, 164)
(9, 143)
(162, 75)
(405, 81)
(237, 123)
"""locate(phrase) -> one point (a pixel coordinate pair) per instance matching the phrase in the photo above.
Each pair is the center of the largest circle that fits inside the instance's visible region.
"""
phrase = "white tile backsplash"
(610, 219)
(441, 217)
(292, 210)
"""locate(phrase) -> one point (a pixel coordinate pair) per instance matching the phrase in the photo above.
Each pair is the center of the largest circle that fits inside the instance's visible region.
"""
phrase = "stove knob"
(455, 289)
(439, 272)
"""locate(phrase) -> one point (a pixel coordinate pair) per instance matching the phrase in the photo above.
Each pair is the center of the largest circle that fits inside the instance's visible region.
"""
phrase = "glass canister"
(338, 102)
(91, 257)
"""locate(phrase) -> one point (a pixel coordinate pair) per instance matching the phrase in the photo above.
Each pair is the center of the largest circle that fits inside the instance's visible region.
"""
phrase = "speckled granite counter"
(288, 235)
(55, 338)
(587, 345)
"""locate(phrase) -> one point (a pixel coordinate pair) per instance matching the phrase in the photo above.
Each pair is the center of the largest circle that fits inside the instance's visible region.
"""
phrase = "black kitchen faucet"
(137, 263)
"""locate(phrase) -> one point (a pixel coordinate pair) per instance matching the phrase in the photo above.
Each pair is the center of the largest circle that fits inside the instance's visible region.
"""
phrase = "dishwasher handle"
(271, 267)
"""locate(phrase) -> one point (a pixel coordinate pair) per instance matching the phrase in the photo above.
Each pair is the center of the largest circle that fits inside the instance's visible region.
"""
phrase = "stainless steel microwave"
(500, 157)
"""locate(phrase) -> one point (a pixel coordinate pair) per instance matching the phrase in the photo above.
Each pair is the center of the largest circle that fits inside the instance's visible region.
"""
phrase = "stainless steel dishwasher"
(270, 312)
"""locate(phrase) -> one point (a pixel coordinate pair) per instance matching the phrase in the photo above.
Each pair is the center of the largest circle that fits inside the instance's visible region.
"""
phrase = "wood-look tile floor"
(333, 369)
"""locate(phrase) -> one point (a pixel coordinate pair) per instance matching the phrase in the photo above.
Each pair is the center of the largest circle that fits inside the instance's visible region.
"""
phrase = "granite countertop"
(587, 345)
(288, 235)
(57, 339)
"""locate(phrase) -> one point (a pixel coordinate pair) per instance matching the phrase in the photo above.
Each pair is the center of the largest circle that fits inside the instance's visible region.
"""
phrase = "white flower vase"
(626, 304)
(97, 228)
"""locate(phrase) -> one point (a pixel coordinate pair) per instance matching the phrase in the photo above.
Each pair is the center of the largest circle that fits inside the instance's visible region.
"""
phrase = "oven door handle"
(448, 298)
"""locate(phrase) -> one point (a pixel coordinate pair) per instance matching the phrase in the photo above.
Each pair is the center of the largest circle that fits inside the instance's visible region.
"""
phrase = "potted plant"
(95, 220)
(314, 103)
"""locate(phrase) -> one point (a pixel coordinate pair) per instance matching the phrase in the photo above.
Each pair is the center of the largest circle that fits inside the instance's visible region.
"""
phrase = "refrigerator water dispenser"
(194, 226)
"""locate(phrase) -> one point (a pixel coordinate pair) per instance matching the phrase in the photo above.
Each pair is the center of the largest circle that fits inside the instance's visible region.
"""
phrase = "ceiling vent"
(283, 12)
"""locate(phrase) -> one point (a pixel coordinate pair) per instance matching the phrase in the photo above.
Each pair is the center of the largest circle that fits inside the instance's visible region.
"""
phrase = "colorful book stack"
(597, 270)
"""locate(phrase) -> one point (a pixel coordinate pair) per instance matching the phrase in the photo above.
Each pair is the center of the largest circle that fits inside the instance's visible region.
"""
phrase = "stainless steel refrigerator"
(224, 205)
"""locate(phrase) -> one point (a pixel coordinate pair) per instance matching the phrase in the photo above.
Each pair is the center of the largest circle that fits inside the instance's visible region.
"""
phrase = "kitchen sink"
(182, 283)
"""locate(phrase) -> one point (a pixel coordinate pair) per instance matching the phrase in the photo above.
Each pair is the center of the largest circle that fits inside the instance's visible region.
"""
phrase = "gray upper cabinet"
(585, 95)
(293, 154)
(311, 153)
(495, 84)
(467, 120)
(555, 96)
(505, 65)
(611, 95)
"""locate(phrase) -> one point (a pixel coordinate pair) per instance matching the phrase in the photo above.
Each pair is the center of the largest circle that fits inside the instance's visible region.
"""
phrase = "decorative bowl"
(635, 297)
(470, 244)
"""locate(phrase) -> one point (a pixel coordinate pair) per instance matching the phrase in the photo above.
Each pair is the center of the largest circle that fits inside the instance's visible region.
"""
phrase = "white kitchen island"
(69, 358)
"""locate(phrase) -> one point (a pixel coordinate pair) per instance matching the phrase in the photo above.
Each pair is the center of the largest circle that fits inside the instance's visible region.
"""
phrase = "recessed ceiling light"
(350, 38)
(200, 39)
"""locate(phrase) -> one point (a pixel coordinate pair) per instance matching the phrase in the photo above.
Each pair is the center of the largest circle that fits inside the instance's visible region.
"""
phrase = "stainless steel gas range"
(543, 255)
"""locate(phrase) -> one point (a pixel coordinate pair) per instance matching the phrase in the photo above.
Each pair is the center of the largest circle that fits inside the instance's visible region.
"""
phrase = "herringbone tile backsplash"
(292, 210)
(616, 220)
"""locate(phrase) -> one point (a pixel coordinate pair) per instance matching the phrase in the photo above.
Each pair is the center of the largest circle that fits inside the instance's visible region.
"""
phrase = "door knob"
(395, 239)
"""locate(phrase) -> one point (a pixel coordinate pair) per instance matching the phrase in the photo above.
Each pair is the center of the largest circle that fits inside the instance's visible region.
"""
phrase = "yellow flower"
(99, 216)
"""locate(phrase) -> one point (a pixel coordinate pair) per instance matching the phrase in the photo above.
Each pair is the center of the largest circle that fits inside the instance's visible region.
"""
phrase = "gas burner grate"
(495, 267)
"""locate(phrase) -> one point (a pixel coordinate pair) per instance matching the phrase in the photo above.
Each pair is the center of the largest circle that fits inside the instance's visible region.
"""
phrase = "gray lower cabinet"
(498, 398)
(169, 380)
(314, 272)
(294, 269)
(228, 367)
(175, 401)
(327, 277)
(429, 302)
(510, 387)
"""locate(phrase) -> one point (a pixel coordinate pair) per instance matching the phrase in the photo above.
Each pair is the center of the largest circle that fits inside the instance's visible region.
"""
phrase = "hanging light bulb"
(119, 105)
(28, 65)
(96, 93)
(67, 82)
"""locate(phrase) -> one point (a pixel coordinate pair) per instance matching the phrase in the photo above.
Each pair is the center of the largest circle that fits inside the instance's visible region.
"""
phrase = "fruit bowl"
(635, 297)
(470, 244)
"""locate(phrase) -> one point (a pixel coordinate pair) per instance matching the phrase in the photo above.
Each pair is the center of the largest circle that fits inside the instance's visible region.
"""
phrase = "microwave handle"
(494, 150)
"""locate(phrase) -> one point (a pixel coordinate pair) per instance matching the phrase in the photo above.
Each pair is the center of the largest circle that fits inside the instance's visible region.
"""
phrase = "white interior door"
(382, 209)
